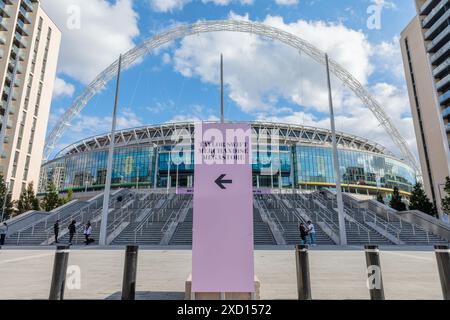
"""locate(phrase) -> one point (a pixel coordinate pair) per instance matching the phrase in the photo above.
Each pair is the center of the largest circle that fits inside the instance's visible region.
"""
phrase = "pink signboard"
(222, 253)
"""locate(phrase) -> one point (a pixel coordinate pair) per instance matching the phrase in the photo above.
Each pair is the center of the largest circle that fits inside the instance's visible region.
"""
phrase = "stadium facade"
(142, 159)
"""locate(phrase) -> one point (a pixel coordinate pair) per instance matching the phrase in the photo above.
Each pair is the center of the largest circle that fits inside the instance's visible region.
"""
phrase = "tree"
(420, 201)
(446, 200)
(27, 200)
(6, 204)
(67, 199)
(396, 201)
(380, 198)
(51, 199)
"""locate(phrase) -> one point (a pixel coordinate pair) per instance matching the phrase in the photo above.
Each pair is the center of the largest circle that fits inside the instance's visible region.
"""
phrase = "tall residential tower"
(425, 45)
(29, 48)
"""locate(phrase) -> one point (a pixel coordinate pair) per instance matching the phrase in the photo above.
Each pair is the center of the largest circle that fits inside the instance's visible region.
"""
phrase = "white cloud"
(63, 88)
(264, 77)
(227, 2)
(168, 5)
(387, 55)
(106, 30)
(257, 72)
(86, 125)
(174, 5)
(286, 2)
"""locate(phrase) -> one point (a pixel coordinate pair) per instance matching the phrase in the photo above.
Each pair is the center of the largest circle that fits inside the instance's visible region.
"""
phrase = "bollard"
(374, 278)
(303, 279)
(129, 273)
(443, 262)
(59, 273)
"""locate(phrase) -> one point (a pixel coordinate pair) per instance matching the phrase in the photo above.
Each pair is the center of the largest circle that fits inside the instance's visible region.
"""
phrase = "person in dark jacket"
(303, 233)
(56, 230)
(72, 230)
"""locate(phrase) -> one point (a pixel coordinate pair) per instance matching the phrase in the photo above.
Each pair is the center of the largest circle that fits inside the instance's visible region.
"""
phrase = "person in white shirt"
(87, 233)
(312, 233)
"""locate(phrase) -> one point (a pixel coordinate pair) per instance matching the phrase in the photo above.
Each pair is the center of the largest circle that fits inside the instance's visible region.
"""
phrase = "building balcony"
(22, 28)
(444, 98)
(428, 6)
(439, 25)
(25, 15)
(435, 14)
(3, 24)
(443, 83)
(440, 40)
(442, 69)
(20, 40)
(27, 5)
(4, 9)
(446, 112)
(447, 127)
(441, 54)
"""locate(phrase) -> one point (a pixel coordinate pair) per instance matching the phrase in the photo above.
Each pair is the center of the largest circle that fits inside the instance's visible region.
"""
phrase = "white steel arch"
(255, 28)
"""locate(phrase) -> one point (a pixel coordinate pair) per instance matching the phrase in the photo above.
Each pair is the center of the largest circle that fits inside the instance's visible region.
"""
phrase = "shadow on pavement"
(150, 295)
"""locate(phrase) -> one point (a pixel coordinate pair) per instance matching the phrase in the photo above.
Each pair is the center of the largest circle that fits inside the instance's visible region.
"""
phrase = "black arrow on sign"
(220, 182)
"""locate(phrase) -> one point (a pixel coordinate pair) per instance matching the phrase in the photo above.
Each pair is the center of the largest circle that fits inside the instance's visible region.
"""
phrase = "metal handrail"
(91, 214)
(140, 226)
(185, 204)
(271, 215)
(334, 214)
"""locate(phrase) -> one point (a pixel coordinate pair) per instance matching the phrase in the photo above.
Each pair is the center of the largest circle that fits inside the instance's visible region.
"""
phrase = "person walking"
(312, 233)
(72, 230)
(303, 233)
(87, 233)
(3, 233)
(56, 230)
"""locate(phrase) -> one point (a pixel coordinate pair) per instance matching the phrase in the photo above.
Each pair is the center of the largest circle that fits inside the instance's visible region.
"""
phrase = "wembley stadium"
(142, 159)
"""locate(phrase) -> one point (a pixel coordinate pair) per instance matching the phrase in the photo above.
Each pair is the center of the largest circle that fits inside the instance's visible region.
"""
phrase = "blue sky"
(264, 80)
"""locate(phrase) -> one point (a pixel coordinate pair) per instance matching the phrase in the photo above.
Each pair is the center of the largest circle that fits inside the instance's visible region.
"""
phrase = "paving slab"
(335, 273)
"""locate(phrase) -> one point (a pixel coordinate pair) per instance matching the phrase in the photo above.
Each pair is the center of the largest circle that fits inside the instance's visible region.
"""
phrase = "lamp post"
(340, 203)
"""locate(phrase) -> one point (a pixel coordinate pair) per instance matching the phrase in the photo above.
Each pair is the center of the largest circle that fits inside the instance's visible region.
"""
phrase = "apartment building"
(29, 49)
(425, 45)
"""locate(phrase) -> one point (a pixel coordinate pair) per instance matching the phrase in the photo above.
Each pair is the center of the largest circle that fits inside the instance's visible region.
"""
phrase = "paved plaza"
(335, 274)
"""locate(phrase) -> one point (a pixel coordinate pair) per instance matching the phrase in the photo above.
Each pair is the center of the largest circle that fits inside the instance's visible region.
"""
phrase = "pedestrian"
(3, 233)
(72, 230)
(56, 230)
(303, 233)
(88, 232)
(312, 233)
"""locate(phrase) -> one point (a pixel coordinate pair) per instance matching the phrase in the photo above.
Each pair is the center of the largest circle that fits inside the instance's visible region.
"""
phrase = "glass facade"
(299, 166)
(132, 166)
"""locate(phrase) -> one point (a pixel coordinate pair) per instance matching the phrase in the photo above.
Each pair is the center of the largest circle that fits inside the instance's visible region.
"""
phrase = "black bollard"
(129, 273)
(374, 278)
(59, 273)
(303, 279)
(443, 262)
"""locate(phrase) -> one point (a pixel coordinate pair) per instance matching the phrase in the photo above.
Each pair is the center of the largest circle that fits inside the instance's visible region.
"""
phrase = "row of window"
(301, 165)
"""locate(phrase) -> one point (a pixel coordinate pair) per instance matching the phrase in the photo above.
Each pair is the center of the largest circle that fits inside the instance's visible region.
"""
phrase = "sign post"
(222, 253)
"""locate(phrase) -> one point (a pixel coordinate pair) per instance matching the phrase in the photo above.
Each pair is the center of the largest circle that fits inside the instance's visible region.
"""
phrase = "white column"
(340, 203)
(105, 209)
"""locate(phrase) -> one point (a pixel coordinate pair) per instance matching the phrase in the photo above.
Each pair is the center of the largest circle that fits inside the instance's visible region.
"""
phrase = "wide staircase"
(282, 207)
(40, 231)
(357, 232)
(261, 230)
(403, 231)
(183, 232)
(118, 204)
(133, 232)
(152, 218)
